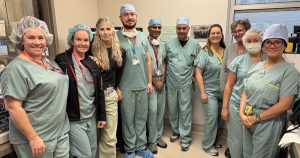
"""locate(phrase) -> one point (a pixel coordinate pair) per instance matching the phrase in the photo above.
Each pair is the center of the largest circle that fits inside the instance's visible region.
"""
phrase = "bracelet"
(258, 119)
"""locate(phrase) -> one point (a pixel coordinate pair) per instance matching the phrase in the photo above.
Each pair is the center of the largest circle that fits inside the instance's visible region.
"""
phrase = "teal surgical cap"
(276, 31)
(154, 21)
(127, 8)
(183, 20)
(76, 28)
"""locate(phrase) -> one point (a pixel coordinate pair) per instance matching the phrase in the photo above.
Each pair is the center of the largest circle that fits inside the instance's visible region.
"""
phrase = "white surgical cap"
(183, 20)
(23, 25)
(127, 8)
(276, 31)
(154, 21)
(76, 28)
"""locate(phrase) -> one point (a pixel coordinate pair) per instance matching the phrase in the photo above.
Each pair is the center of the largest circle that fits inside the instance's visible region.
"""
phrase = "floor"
(173, 149)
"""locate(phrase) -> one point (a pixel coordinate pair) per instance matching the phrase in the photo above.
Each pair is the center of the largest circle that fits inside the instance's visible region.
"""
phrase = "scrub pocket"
(271, 93)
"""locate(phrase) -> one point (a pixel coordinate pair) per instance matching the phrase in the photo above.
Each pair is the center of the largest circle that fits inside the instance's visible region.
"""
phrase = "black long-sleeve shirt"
(112, 77)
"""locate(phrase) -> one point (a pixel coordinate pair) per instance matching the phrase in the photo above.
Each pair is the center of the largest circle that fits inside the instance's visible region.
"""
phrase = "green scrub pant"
(156, 115)
(83, 138)
(235, 131)
(58, 148)
(261, 140)
(211, 121)
(107, 135)
(180, 112)
(134, 110)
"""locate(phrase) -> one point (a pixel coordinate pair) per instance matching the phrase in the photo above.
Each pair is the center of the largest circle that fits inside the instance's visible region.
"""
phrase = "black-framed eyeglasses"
(276, 44)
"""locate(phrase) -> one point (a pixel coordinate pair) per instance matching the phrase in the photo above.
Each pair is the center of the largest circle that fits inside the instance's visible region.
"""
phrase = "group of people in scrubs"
(258, 89)
(68, 107)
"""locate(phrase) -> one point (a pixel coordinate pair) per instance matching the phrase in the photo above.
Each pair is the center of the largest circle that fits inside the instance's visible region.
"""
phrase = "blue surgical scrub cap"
(127, 8)
(76, 28)
(276, 31)
(183, 20)
(154, 21)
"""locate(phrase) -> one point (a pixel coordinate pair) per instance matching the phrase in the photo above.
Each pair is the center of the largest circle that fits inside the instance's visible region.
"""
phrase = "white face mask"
(253, 48)
(129, 34)
(155, 42)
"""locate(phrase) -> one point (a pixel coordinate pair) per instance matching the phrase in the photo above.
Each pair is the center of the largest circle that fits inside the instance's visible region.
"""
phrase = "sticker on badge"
(135, 61)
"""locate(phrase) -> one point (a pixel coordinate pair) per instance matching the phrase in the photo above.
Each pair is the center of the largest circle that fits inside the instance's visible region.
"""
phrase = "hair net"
(257, 31)
(183, 20)
(127, 8)
(276, 31)
(154, 21)
(76, 28)
(23, 25)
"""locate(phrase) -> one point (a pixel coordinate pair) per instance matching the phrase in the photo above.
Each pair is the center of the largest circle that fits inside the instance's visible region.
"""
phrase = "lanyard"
(132, 46)
(219, 57)
(155, 49)
(82, 69)
(40, 63)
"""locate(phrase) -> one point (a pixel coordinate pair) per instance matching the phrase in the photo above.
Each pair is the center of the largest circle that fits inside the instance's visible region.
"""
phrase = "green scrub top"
(44, 95)
(157, 64)
(211, 65)
(180, 62)
(86, 91)
(265, 87)
(240, 67)
(134, 75)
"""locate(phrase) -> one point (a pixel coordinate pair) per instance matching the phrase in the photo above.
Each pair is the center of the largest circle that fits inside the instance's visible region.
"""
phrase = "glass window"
(263, 19)
(262, 1)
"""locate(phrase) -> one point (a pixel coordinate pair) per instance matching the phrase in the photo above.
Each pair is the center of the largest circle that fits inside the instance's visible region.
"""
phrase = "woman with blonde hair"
(109, 57)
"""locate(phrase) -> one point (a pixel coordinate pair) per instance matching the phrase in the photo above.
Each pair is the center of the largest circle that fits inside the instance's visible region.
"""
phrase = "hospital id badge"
(135, 61)
(158, 73)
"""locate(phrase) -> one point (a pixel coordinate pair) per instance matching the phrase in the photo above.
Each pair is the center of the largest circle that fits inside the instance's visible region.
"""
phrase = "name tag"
(135, 61)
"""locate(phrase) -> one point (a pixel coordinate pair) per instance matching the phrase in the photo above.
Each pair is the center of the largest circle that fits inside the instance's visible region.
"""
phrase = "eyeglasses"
(276, 44)
(240, 31)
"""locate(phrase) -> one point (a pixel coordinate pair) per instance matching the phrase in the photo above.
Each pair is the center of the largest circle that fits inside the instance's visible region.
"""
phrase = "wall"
(71, 12)
(199, 12)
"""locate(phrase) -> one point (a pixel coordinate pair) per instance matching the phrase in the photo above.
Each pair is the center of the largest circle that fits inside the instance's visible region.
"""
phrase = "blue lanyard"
(132, 46)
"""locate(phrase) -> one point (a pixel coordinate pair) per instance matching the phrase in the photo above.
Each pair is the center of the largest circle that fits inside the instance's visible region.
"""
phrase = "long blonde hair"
(100, 51)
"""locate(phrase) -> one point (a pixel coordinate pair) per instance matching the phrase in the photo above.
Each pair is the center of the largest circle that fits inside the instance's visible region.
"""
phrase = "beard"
(128, 26)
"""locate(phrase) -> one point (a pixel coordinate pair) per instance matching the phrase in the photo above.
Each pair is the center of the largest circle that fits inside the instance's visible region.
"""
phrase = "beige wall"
(199, 12)
(88, 11)
(71, 12)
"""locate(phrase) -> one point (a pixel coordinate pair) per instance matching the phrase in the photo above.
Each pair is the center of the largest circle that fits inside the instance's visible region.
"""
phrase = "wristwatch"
(258, 119)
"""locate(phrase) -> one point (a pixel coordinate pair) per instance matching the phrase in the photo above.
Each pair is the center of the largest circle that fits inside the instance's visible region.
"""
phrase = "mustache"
(130, 21)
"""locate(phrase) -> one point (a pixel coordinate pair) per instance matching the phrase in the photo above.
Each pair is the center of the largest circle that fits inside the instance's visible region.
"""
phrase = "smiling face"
(106, 32)
(129, 20)
(34, 42)
(154, 31)
(274, 47)
(182, 31)
(81, 41)
(239, 32)
(215, 35)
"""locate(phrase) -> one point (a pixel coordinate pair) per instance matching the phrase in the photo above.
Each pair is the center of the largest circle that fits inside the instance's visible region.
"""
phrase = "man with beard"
(157, 99)
(181, 52)
(135, 84)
